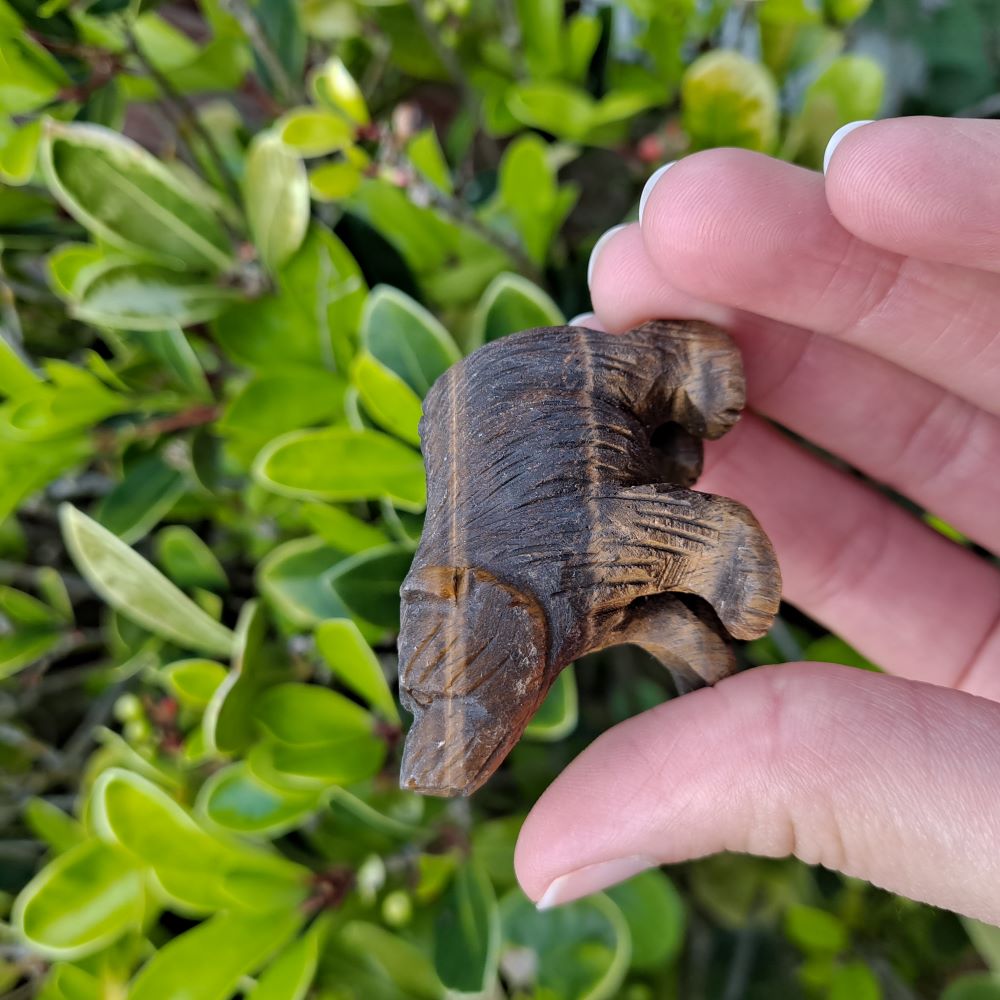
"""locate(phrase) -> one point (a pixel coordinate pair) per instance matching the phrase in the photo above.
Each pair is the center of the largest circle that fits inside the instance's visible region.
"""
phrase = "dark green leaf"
(467, 932)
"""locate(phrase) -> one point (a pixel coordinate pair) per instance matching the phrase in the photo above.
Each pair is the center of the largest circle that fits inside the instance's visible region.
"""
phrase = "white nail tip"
(650, 184)
(582, 320)
(836, 138)
(597, 249)
(592, 878)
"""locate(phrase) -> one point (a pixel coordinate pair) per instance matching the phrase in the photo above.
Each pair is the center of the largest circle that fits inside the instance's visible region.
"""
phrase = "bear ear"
(472, 670)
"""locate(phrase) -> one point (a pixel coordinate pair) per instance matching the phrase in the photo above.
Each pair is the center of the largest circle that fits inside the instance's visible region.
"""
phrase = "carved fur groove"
(559, 522)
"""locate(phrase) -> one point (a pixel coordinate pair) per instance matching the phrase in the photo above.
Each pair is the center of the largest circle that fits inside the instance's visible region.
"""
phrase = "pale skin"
(867, 307)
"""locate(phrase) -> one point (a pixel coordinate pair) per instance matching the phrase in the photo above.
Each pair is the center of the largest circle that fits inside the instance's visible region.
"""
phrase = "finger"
(750, 232)
(906, 597)
(898, 428)
(873, 776)
(923, 187)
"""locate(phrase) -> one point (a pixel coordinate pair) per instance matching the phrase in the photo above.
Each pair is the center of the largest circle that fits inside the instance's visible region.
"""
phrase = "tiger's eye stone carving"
(560, 521)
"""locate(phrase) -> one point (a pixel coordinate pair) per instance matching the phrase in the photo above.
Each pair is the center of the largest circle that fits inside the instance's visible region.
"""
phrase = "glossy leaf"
(21, 649)
(276, 192)
(654, 912)
(127, 198)
(303, 714)
(729, 100)
(509, 305)
(60, 831)
(294, 578)
(343, 647)
(291, 974)
(208, 961)
(467, 932)
(342, 530)
(127, 582)
(236, 800)
(333, 86)
(142, 499)
(314, 132)
(194, 682)
(81, 901)
(187, 560)
(390, 402)
(406, 338)
(582, 949)
(312, 321)
(334, 181)
(342, 464)
(557, 715)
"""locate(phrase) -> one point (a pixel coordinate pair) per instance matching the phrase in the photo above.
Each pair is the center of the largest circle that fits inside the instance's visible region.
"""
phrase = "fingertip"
(650, 185)
(599, 246)
(838, 137)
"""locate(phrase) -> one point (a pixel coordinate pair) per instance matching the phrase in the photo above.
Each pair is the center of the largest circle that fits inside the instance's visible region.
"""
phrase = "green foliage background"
(239, 242)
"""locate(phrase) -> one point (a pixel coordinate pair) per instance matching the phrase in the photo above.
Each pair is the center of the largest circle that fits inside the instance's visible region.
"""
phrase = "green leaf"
(849, 89)
(70, 982)
(291, 974)
(313, 319)
(974, 986)
(855, 981)
(406, 338)
(729, 100)
(581, 950)
(334, 181)
(31, 76)
(194, 682)
(187, 560)
(276, 193)
(369, 583)
(814, 930)
(467, 932)
(509, 305)
(332, 85)
(985, 939)
(208, 961)
(343, 464)
(275, 404)
(144, 297)
(390, 402)
(236, 800)
(49, 823)
(352, 661)
(493, 843)
(173, 349)
(407, 967)
(554, 106)
(127, 198)
(557, 715)
(314, 132)
(228, 724)
(304, 714)
(541, 24)
(132, 586)
(342, 530)
(425, 153)
(832, 649)
(27, 611)
(142, 499)
(81, 901)
(845, 11)
(294, 578)
(654, 912)
(21, 649)
(20, 153)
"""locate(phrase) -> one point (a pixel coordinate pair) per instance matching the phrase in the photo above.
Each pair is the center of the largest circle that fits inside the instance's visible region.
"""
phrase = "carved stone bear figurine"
(560, 522)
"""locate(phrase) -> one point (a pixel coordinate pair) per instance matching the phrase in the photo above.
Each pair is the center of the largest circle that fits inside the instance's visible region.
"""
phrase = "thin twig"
(189, 117)
(447, 56)
(247, 19)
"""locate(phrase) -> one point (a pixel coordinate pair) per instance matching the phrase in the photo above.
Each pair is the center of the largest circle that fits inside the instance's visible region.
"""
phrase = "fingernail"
(584, 319)
(650, 184)
(836, 138)
(597, 249)
(592, 878)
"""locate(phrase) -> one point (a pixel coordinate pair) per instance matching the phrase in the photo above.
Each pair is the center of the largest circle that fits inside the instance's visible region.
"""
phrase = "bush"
(239, 243)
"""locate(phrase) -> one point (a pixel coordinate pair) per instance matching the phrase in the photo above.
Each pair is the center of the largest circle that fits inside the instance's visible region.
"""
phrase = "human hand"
(893, 262)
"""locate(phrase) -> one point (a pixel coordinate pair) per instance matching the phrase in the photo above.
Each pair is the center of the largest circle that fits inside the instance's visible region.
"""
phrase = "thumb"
(877, 777)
